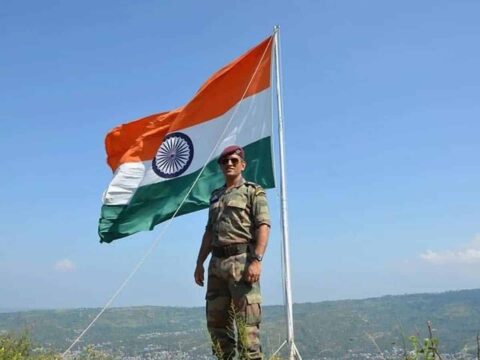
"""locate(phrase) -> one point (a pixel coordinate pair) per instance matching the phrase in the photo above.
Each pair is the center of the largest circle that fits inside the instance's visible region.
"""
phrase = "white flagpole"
(292, 349)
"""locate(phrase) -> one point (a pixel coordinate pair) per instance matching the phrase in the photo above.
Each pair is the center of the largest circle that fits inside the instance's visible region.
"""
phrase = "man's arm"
(261, 218)
(252, 273)
(262, 239)
(205, 249)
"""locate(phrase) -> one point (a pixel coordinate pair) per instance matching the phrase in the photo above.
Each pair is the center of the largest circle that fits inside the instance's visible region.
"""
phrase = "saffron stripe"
(140, 139)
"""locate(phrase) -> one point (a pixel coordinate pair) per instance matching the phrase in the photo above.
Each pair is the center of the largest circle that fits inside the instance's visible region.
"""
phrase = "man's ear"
(244, 165)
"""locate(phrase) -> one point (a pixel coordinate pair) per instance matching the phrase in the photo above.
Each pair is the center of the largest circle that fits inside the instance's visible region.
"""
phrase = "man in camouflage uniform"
(237, 235)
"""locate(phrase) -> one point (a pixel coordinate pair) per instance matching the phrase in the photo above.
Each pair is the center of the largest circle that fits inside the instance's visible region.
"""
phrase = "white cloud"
(64, 265)
(468, 254)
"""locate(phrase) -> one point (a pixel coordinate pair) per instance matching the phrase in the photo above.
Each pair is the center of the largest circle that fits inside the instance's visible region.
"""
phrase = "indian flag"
(157, 159)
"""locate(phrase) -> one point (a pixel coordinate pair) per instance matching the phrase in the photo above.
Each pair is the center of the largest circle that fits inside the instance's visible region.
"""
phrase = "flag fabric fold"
(157, 159)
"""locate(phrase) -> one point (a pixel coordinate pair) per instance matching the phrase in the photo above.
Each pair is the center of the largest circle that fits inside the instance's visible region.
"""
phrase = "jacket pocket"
(236, 213)
(254, 310)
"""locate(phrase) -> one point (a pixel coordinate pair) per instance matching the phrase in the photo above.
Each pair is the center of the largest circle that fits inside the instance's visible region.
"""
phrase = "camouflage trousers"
(233, 309)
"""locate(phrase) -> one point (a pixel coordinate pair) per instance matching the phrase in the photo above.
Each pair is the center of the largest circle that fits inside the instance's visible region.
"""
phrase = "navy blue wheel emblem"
(174, 156)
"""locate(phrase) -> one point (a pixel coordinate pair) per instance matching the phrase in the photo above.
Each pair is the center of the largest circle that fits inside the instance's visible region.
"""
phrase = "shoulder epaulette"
(258, 189)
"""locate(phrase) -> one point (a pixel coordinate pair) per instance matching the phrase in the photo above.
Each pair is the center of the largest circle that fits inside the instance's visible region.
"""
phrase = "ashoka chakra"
(174, 155)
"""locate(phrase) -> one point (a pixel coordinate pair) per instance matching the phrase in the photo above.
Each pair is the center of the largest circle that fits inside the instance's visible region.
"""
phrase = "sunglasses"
(234, 161)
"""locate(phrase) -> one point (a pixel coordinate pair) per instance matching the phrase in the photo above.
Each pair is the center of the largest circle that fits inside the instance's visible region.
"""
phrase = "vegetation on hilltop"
(18, 347)
(15, 346)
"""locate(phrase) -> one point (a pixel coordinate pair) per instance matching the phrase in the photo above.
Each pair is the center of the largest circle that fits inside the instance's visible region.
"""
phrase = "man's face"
(232, 165)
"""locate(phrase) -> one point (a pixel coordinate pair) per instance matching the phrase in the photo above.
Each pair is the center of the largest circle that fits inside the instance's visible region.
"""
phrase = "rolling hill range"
(324, 330)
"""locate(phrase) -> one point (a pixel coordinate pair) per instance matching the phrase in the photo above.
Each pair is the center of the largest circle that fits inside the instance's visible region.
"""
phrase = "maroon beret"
(232, 149)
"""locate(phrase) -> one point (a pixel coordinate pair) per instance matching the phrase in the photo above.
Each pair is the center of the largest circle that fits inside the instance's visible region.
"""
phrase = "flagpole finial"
(276, 28)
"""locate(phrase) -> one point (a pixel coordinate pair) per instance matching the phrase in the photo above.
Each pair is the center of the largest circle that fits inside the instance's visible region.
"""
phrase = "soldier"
(237, 235)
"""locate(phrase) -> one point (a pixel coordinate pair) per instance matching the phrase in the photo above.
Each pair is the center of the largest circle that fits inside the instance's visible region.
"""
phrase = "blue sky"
(382, 132)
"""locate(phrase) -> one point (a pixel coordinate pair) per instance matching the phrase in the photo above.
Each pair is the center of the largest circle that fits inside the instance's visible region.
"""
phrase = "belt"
(229, 250)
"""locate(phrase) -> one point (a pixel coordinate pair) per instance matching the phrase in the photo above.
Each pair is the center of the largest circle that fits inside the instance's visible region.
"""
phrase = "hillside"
(330, 329)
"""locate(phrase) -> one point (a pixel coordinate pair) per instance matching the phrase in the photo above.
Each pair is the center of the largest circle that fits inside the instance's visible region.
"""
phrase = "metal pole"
(292, 350)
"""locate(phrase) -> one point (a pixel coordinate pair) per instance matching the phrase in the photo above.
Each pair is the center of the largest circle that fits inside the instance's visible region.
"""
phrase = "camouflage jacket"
(236, 213)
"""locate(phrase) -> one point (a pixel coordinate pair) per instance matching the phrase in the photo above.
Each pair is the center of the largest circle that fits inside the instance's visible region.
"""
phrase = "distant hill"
(329, 329)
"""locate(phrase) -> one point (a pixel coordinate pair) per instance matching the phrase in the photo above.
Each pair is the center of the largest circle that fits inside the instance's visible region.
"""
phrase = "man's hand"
(252, 272)
(199, 274)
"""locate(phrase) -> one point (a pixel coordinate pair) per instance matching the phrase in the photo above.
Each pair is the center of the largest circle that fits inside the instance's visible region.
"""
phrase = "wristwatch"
(256, 257)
